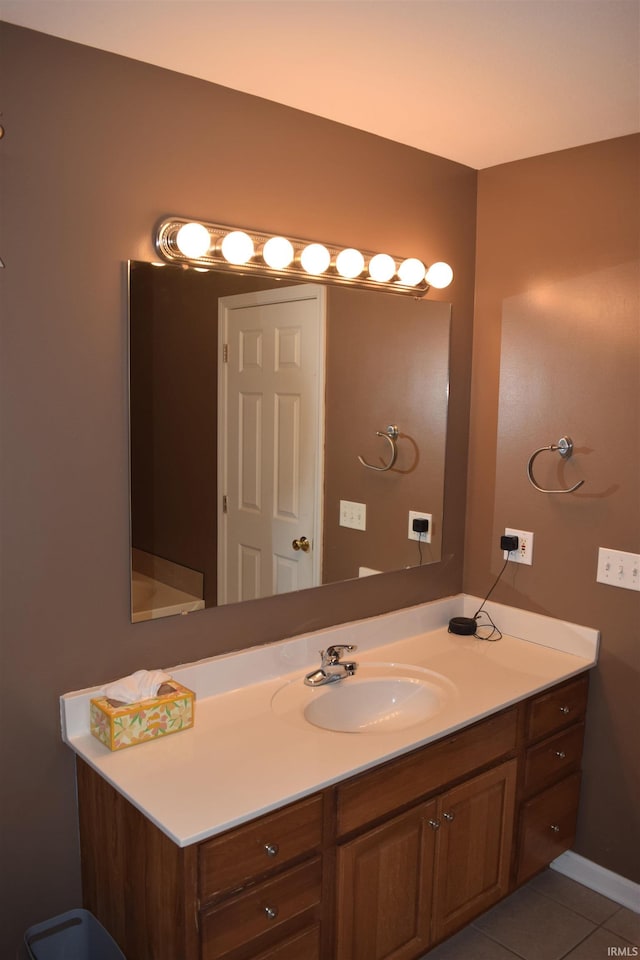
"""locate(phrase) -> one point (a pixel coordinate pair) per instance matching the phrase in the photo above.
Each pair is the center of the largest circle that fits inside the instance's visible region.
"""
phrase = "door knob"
(301, 544)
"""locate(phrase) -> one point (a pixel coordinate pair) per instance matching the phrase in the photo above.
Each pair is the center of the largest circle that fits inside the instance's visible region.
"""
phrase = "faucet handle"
(332, 654)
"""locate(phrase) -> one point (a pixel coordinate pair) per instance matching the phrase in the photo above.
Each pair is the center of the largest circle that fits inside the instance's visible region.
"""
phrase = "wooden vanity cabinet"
(253, 893)
(382, 866)
(419, 876)
(550, 776)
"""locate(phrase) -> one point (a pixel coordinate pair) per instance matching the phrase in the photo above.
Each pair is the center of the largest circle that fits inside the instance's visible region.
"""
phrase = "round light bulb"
(411, 272)
(278, 252)
(193, 240)
(349, 263)
(315, 258)
(382, 267)
(237, 247)
(439, 275)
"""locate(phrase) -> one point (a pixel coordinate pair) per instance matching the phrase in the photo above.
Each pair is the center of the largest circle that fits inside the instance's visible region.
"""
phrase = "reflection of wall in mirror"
(387, 361)
(388, 364)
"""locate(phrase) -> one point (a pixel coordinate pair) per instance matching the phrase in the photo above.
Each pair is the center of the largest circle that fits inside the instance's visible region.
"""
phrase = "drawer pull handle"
(271, 849)
(271, 913)
(561, 754)
(434, 824)
(565, 709)
(555, 828)
(449, 816)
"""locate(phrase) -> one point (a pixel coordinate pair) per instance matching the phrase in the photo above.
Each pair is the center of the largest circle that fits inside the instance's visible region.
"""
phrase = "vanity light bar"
(220, 247)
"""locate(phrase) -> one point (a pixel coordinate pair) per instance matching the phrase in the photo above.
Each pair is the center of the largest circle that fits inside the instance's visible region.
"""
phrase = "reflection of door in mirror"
(270, 450)
(387, 362)
(173, 357)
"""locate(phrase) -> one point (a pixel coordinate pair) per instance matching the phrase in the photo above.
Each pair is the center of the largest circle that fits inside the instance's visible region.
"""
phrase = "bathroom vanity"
(380, 845)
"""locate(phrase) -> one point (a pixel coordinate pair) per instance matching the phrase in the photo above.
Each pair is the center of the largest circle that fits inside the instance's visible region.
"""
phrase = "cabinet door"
(473, 849)
(384, 889)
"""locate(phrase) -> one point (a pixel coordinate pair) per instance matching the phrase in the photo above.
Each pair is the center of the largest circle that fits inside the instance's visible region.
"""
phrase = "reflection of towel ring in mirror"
(390, 435)
(564, 446)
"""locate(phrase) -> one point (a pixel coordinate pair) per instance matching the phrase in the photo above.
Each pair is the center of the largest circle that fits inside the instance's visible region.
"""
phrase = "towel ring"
(390, 435)
(564, 446)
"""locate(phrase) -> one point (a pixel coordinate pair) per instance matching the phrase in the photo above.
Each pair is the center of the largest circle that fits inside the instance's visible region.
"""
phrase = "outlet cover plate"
(524, 553)
(413, 534)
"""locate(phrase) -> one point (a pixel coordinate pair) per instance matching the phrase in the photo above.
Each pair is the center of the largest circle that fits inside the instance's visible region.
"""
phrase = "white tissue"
(141, 685)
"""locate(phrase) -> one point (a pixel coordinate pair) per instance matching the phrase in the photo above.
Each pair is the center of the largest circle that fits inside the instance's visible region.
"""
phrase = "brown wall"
(556, 351)
(97, 150)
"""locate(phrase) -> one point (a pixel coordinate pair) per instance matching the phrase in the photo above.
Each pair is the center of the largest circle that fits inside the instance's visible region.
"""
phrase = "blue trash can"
(75, 935)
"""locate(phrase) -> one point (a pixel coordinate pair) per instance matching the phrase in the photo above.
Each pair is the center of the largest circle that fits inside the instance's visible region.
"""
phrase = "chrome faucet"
(332, 668)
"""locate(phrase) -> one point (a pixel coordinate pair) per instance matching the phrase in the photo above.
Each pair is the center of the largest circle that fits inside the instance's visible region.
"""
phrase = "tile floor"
(551, 918)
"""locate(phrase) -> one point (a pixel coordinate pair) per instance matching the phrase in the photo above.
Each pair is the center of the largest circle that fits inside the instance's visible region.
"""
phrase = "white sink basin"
(380, 698)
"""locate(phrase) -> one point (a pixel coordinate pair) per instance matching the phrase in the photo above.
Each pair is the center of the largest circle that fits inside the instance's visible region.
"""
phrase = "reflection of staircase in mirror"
(160, 588)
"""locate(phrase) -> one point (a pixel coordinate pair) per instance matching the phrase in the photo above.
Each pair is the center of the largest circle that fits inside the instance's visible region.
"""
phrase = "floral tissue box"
(119, 725)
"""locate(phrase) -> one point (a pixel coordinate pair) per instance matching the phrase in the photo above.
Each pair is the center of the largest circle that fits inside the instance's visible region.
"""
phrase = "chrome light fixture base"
(169, 248)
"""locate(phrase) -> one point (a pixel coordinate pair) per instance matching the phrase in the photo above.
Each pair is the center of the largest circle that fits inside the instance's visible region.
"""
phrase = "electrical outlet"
(524, 553)
(618, 569)
(353, 515)
(413, 534)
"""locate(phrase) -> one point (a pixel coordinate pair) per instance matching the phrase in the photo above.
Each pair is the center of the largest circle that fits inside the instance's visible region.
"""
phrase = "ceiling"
(481, 82)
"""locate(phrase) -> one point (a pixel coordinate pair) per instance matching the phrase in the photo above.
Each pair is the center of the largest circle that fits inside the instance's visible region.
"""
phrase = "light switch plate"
(618, 569)
(353, 515)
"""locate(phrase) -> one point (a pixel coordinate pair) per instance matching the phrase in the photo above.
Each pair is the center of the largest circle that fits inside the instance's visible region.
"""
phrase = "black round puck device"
(463, 626)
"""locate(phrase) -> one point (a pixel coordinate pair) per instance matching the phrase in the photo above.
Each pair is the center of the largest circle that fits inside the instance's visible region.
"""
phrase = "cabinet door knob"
(449, 816)
(555, 828)
(565, 709)
(271, 913)
(561, 754)
(434, 824)
(271, 849)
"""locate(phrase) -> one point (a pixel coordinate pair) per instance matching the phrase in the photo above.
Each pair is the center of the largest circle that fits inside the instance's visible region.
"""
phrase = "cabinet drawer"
(263, 909)
(553, 759)
(228, 861)
(557, 708)
(547, 826)
(400, 782)
(303, 946)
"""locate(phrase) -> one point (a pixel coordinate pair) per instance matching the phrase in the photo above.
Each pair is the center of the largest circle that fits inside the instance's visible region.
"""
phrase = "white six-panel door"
(270, 441)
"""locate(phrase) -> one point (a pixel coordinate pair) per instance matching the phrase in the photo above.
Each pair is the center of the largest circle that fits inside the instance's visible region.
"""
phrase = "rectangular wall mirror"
(253, 404)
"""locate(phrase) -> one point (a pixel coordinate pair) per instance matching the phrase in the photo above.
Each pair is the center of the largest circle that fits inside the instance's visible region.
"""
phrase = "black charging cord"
(469, 626)
(494, 633)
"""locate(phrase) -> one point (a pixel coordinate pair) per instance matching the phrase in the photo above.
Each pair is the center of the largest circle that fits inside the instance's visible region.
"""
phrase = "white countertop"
(242, 758)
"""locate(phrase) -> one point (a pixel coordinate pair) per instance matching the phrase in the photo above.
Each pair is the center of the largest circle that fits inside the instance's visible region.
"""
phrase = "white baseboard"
(606, 882)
